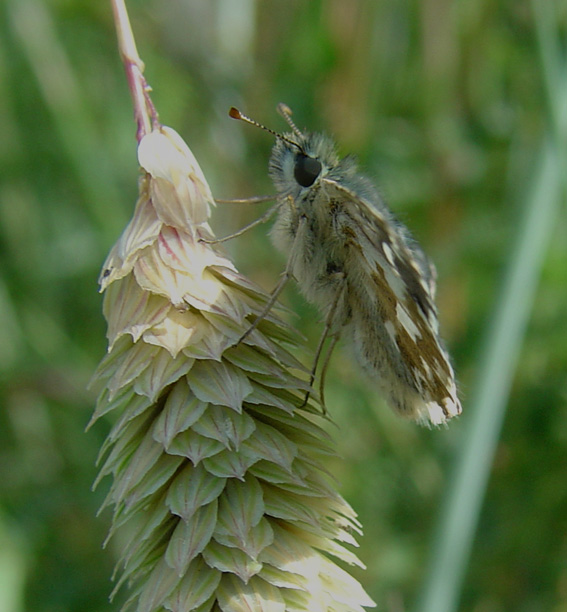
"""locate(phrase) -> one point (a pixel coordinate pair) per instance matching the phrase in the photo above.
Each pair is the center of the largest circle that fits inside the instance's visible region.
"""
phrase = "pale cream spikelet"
(219, 486)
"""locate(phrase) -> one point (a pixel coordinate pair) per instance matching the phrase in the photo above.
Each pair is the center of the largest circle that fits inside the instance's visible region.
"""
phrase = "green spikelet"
(218, 478)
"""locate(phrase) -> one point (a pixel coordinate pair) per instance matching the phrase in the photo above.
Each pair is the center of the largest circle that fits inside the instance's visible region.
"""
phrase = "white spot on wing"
(436, 414)
(388, 253)
(406, 322)
(391, 329)
(426, 368)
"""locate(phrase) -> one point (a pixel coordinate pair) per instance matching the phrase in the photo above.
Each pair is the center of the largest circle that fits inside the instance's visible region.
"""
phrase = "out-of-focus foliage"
(444, 104)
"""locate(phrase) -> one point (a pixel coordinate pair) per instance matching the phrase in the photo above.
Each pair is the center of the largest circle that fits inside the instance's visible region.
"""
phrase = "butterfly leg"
(250, 200)
(334, 341)
(273, 299)
(263, 219)
(329, 323)
(285, 277)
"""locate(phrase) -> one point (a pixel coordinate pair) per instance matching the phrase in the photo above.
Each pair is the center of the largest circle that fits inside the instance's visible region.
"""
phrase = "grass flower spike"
(219, 482)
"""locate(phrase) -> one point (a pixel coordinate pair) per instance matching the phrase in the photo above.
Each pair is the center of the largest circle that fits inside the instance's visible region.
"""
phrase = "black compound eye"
(306, 170)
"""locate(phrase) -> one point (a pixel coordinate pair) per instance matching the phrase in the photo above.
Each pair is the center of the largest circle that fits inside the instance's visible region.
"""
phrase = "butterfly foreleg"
(250, 200)
(270, 304)
(285, 277)
(263, 219)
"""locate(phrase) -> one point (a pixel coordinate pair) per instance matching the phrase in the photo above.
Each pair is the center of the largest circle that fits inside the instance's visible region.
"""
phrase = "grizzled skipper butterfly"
(362, 268)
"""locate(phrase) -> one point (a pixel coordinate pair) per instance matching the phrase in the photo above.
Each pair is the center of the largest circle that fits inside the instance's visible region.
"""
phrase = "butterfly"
(361, 267)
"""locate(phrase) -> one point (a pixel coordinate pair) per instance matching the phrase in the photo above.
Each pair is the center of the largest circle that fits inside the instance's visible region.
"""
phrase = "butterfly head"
(299, 159)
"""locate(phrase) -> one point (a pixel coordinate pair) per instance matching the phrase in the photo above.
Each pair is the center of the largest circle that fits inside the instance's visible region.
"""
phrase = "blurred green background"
(446, 103)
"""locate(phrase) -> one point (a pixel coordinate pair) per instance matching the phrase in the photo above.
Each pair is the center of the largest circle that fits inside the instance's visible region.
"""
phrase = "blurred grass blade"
(502, 347)
(460, 517)
(62, 93)
(549, 48)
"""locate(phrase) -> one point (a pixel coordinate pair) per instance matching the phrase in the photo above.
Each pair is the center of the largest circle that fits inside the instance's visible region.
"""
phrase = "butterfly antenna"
(285, 111)
(236, 114)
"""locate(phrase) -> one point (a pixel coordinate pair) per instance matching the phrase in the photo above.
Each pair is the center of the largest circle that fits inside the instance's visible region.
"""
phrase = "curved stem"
(145, 113)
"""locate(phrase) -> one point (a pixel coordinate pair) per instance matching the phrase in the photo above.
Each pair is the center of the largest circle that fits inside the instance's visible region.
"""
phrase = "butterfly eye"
(306, 170)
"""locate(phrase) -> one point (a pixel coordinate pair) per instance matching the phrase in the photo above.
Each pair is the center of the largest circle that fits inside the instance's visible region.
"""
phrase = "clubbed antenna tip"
(282, 108)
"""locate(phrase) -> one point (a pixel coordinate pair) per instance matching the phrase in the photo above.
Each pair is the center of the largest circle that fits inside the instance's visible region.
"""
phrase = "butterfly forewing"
(390, 294)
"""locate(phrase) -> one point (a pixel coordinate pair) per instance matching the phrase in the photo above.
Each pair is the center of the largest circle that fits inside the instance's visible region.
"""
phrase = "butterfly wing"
(391, 288)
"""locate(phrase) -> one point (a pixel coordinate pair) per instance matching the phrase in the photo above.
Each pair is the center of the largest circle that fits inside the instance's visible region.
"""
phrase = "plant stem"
(145, 113)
